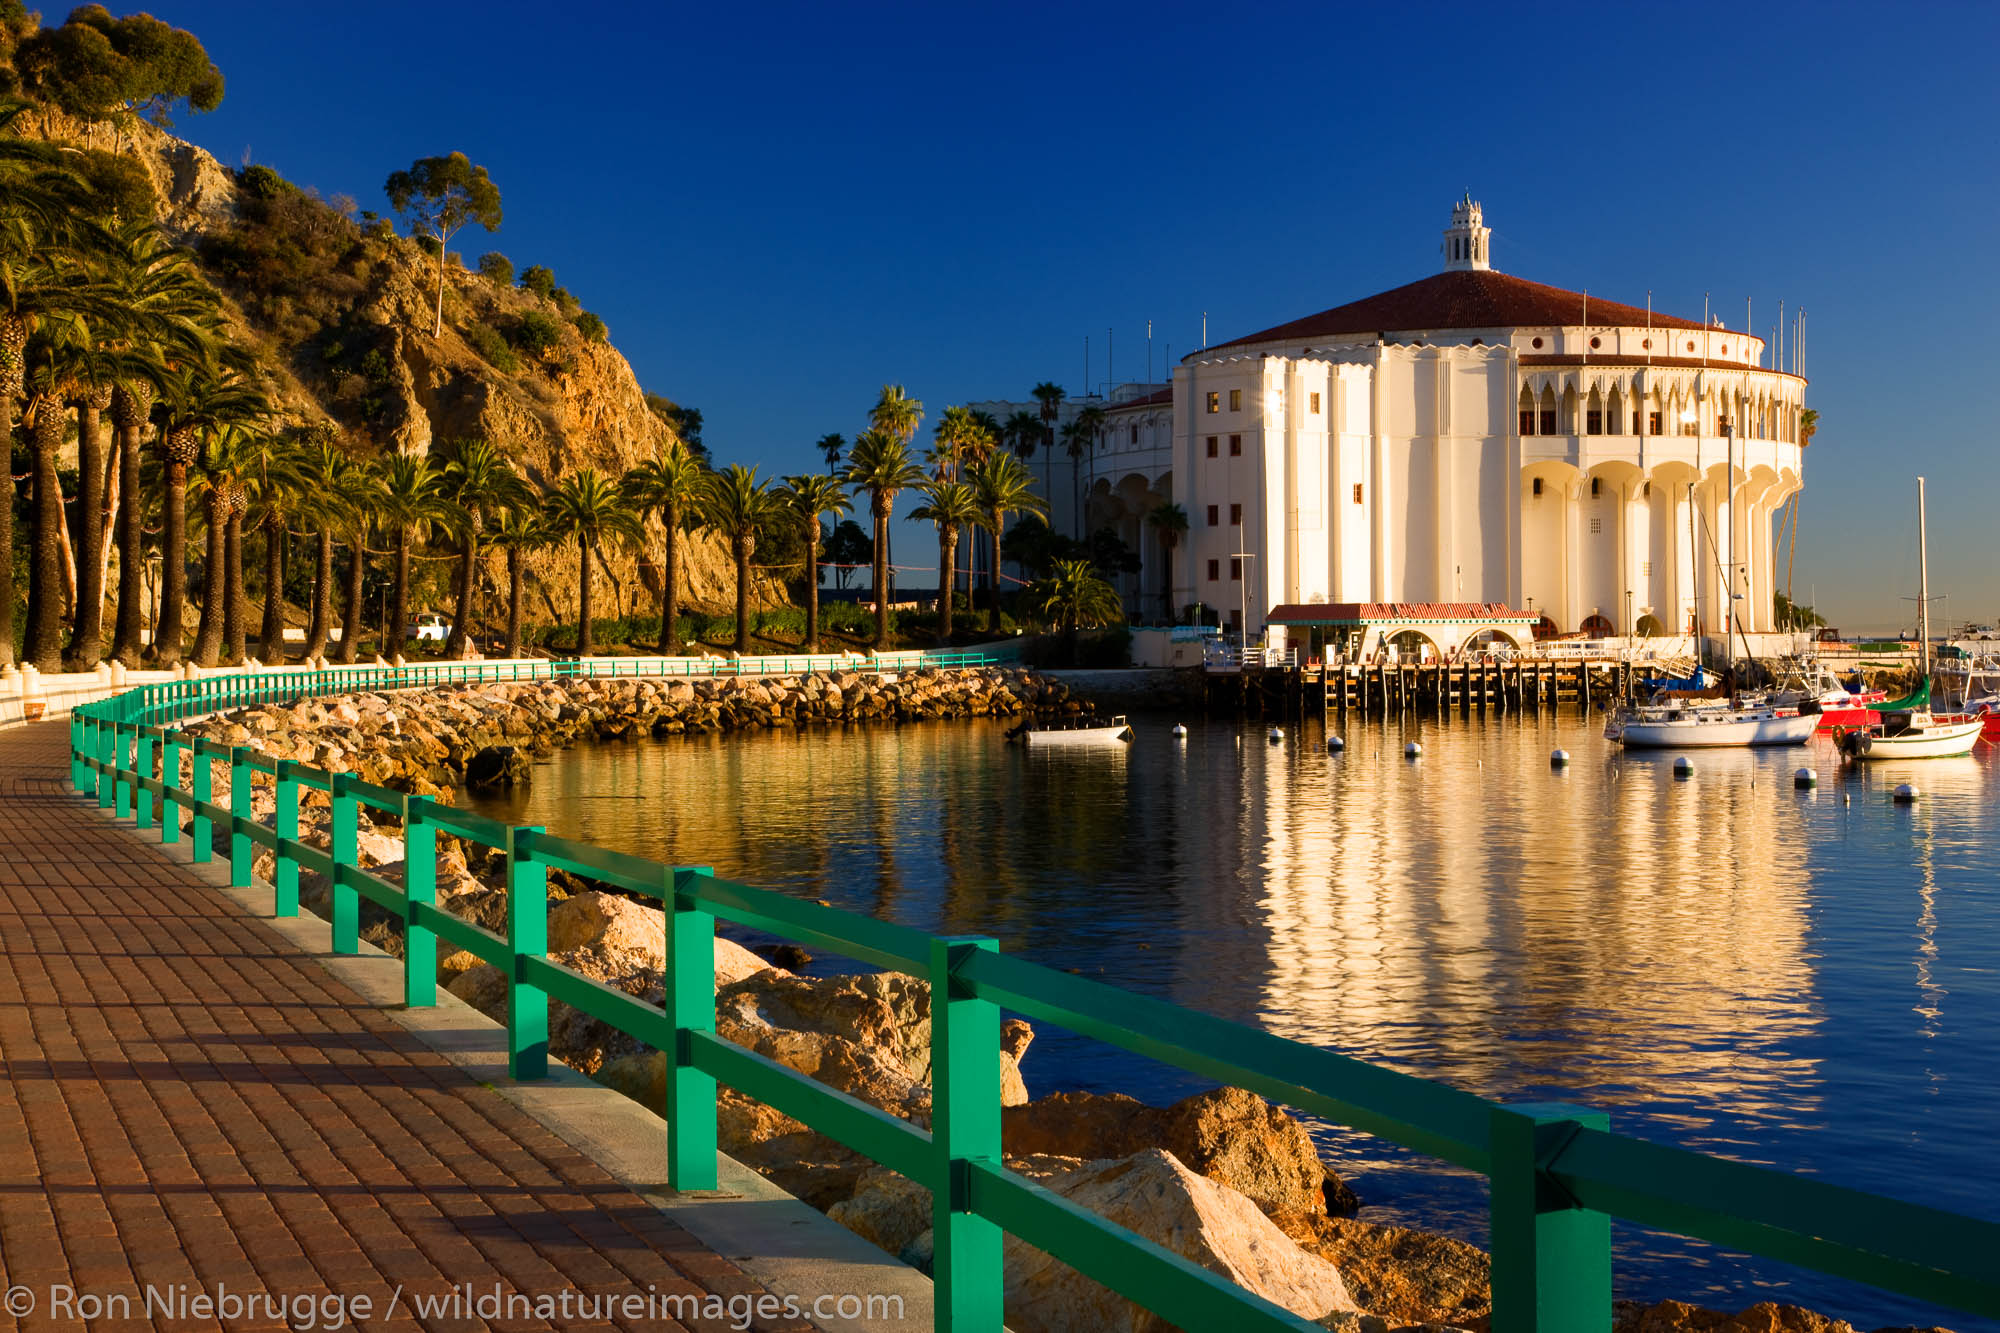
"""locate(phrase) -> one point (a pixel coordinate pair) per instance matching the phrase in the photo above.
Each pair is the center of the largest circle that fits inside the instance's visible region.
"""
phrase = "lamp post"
(1242, 602)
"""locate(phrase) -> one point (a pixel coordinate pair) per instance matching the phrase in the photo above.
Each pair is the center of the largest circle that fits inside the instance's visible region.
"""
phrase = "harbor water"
(1805, 979)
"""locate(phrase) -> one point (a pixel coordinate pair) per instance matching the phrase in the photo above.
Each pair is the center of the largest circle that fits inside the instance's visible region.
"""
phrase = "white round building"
(1476, 438)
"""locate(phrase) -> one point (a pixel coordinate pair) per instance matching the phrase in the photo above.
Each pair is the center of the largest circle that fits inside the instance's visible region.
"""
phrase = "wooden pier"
(1471, 687)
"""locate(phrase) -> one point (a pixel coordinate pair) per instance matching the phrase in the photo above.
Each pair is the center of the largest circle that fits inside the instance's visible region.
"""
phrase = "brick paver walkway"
(187, 1101)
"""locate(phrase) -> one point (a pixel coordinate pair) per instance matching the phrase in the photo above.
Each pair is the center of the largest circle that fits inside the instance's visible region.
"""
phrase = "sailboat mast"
(1923, 587)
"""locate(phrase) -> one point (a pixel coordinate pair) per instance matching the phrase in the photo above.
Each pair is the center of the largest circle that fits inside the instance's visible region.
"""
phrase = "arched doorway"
(1596, 627)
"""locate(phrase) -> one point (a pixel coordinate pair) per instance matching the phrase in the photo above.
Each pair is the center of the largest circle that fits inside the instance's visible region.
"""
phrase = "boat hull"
(1796, 729)
(1079, 736)
(1944, 741)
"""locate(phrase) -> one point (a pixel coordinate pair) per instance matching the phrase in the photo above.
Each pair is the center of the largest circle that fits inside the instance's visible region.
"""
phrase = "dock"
(1475, 686)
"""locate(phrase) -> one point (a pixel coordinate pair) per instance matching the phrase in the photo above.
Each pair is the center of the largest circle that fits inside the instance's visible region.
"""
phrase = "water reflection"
(1799, 977)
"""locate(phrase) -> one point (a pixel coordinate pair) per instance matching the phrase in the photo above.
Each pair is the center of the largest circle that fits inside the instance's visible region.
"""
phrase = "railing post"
(121, 794)
(690, 998)
(420, 955)
(965, 1127)
(170, 781)
(344, 838)
(527, 936)
(285, 822)
(204, 792)
(1551, 1258)
(76, 728)
(239, 810)
(142, 768)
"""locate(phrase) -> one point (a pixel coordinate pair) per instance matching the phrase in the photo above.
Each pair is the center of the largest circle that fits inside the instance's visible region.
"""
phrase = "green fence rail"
(1558, 1174)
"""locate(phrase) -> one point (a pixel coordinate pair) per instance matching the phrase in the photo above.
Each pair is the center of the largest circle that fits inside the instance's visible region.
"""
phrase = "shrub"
(496, 268)
(261, 182)
(539, 280)
(591, 327)
(566, 303)
(493, 347)
(537, 334)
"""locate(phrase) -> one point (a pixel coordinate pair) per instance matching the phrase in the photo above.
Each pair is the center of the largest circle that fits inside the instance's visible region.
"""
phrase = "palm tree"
(587, 508)
(279, 491)
(1168, 521)
(517, 532)
(1050, 396)
(959, 437)
(360, 504)
(807, 497)
(1003, 485)
(880, 464)
(953, 506)
(1080, 437)
(413, 503)
(831, 446)
(199, 395)
(47, 420)
(1023, 432)
(897, 413)
(1073, 597)
(236, 456)
(670, 486)
(479, 483)
(740, 507)
(325, 477)
(93, 366)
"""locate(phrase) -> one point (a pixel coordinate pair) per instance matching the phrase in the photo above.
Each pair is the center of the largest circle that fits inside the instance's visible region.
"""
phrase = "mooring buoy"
(1412, 750)
(1335, 744)
(1274, 735)
(1180, 731)
(1683, 767)
(1906, 793)
(1557, 758)
(1805, 777)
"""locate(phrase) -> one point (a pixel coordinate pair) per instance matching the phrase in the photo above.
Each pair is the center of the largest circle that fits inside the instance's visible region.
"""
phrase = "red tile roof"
(1354, 613)
(1463, 299)
(1159, 398)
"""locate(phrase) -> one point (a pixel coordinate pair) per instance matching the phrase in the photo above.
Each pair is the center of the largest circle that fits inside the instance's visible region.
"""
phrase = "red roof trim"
(1329, 613)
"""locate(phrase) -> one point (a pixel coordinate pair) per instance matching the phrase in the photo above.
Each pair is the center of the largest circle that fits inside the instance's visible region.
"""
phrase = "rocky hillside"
(342, 311)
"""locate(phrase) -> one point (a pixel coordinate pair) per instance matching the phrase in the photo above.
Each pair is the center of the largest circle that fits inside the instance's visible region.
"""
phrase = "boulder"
(885, 1209)
(1407, 1277)
(1206, 1223)
(498, 767)
(1680, 1317)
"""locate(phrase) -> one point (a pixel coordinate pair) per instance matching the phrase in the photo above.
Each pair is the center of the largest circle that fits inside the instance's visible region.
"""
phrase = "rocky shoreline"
(1223, 1178)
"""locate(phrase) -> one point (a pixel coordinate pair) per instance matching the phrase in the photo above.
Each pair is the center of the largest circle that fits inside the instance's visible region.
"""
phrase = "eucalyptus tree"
(880, 463)
(412, 504)
(517, 532)
(1003, 485)
(479, 484)
(1050, 398)
(586, 508)
(739, 506)
(1169, 523)
(436, 197)
(807, 497)
(953, 506)
(199, 395)
(669, 486)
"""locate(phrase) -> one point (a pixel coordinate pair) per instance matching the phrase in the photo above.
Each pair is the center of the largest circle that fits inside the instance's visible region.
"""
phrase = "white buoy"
(1412, 750)
(1683, 767)
(1557, 758)
(1906, 793)
(1180, 732)
(1274, 735)
(1334, 743)
(1805, 777)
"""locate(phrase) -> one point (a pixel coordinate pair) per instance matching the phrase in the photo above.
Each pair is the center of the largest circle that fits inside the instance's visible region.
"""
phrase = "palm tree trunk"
(322, 596)
(399, 599)
(741, 547)
(514, 588)
(461, 620)
(947, 586)
(670, 587)
(128, 635)
(993, 577)
(583, 644)
(86, 639)
(812, 589)
(42, 642)
(208, 629)
(167, 626)
(1167, 592)
(233, 600)
(271, 633)
(350, 612)
(881, 573)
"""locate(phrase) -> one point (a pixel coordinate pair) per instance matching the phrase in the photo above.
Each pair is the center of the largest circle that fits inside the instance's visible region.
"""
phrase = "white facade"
(1598, 470)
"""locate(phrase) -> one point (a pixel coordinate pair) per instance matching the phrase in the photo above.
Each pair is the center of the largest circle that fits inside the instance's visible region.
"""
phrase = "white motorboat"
(1913, 735)
(1677, 727)
(1079, 731)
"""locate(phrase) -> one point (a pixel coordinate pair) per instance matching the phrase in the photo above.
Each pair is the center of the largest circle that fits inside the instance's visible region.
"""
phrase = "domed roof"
(1462, 299)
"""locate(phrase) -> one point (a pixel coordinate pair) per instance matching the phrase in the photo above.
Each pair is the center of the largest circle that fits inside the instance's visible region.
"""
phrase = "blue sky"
(778, 209)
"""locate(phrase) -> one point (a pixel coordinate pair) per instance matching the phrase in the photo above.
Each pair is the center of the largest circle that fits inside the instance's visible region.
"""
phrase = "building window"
(1593, 421)
(1236, 516)
(1646, 569)
(1548, 421)
(1235, 568)
(1214, 516)
(1527, 421)
(1635, 423)
(1214, 403)
(1596, 525)
(1596, 488)
(1357, 492)
(1596, 342)
(1653, 423)
(1537, 490)
(1236, 400)
(1135, 434)
(1536, 343)
(1314, 400)
(1211, 446)
(1214, 570)
(1236, 446)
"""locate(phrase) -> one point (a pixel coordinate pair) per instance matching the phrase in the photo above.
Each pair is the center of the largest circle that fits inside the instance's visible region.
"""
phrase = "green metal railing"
(1558, 1175)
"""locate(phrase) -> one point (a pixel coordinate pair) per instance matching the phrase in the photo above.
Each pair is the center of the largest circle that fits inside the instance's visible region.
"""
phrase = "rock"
(1227, 1134)
(497, 767)
(886, 1209)
(1407, 1277)
(1680, 1317)
(1339, 1197)
(1156, 1196)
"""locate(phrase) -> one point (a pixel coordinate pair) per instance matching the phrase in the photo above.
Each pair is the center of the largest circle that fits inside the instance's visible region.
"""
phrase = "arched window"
(1527, 411)
(1593, 417)
(1548, 411)
(1596, 627)
(1568, 422)
(1614, 413)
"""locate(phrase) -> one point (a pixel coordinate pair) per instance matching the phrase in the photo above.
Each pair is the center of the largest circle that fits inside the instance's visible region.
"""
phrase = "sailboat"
(1913, 731)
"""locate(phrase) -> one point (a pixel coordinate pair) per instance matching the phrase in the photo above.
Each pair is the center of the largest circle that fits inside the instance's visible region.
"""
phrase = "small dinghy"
(1073, 731)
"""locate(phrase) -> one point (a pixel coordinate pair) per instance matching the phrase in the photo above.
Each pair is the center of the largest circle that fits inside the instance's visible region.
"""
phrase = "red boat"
(1841, 707)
